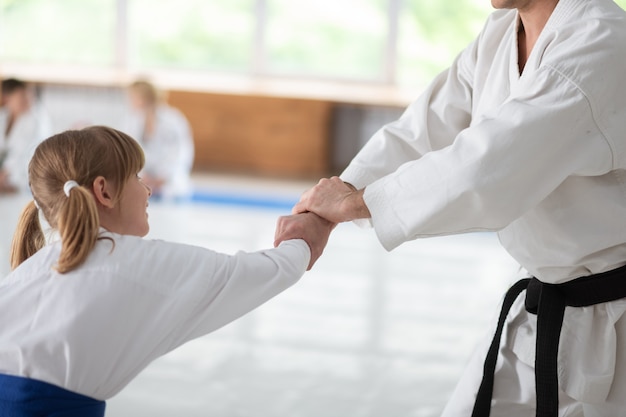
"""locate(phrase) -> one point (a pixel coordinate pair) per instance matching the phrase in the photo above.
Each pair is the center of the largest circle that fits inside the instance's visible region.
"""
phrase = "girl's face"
(133, 217)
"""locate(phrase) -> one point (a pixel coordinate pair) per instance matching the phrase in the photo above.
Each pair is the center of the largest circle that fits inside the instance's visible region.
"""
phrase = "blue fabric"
(24, 397)
(261, 202)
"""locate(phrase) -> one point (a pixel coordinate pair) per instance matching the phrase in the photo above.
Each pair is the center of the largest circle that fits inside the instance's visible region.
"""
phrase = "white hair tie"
(68, 187)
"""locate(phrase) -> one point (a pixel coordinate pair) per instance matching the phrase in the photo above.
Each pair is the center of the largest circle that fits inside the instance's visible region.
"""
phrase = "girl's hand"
(313, 229)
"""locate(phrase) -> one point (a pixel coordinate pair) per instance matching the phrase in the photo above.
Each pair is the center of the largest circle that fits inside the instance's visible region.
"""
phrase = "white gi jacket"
(169, 150)
(27, 132)
(539, 158)
(94, 329)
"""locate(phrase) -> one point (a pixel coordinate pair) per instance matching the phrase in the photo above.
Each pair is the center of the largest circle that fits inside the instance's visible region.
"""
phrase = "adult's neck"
(534, 16)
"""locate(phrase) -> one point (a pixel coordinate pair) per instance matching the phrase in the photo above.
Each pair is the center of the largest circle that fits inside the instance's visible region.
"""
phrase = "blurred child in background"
(166, 139)
(23, 125)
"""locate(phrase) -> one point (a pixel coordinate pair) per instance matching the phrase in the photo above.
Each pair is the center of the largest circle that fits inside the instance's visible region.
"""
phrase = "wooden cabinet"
(259, 135)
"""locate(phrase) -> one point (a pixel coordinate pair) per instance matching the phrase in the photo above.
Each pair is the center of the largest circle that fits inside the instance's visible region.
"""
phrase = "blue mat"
(245, 200)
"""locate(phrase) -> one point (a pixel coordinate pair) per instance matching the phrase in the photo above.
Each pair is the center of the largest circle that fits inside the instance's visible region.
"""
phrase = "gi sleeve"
(204, 290)
(429, 123)
(495, 170)
(244, 281)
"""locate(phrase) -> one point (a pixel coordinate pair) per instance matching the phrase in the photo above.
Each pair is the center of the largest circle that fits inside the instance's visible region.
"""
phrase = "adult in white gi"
(525, 135)
(23, 124)
(166, 139)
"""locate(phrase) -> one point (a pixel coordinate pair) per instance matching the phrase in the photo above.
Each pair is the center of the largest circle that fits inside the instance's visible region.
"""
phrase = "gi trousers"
(514, 388)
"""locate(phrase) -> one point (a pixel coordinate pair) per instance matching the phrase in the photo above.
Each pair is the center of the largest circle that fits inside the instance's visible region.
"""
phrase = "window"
(196, 34)
(340, 39)
(403, 42)
(431, 35)
(68, 32)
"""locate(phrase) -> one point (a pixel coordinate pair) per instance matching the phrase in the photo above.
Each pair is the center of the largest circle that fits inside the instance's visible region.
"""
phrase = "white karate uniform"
(540, 159)
(169, 150)
(19, 145)
(94, 329)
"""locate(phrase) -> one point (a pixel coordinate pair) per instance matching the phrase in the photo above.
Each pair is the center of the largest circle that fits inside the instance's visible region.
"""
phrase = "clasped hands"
(317, 213)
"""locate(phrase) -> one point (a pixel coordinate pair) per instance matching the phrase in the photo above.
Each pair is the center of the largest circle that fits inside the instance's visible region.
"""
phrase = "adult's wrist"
(352, 187)
(358, 208)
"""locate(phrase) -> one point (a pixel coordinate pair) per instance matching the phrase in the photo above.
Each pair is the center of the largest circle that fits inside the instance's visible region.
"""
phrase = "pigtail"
(78, 225)
(28, 237)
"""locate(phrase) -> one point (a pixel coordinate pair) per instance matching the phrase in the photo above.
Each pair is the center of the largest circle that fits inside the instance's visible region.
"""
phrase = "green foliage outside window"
(65, 32)
(342, 39)
(433, 33)
(196, 34)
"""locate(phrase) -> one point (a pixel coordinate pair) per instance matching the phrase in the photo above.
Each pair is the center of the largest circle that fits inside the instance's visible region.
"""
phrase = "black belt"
(548, 302)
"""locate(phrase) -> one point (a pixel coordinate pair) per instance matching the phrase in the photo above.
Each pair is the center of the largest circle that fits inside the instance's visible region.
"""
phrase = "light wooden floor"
(366, 333)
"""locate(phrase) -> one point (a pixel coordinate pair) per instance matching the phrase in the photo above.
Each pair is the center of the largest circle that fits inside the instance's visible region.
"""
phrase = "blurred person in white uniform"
(82, 316)
(166, 138)
(524, 135)
(23, 124)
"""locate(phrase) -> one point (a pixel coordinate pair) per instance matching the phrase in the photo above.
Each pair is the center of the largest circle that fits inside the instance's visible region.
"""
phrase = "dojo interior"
(278, 94)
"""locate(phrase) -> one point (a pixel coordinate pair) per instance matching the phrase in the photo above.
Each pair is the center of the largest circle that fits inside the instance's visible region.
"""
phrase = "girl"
(83, 316)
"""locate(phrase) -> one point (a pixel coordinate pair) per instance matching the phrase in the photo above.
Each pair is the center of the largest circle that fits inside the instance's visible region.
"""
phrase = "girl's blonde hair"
(81, 156)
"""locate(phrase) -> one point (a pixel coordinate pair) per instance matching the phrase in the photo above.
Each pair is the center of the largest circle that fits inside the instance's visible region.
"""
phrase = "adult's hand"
(334, 200)
(313, 229)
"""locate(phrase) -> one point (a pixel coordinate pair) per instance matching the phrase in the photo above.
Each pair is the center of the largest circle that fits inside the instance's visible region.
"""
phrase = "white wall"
(72, 107)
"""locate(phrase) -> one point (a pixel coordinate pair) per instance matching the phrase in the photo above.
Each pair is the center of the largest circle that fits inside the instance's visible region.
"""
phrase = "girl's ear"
(103, 192)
